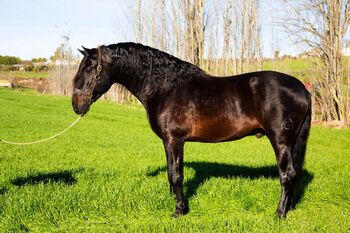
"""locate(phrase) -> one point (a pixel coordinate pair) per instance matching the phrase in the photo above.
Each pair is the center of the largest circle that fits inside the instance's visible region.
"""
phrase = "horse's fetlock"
(180, 205)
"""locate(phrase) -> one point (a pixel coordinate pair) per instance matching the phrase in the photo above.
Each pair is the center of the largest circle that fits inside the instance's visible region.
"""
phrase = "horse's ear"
(83, 52)
(89, 52)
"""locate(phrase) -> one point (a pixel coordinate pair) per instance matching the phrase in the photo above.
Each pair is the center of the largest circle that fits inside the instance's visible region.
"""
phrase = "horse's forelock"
(79, 77)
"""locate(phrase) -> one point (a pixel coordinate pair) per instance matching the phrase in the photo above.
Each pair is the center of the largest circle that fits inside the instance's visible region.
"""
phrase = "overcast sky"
(34, 28)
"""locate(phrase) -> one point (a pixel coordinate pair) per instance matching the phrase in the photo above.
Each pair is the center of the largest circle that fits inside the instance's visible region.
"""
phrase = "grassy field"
(306, 70)
(107, 174)
(303, 69)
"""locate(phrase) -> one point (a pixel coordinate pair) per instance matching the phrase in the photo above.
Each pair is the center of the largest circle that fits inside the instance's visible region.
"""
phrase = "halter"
(96, 77)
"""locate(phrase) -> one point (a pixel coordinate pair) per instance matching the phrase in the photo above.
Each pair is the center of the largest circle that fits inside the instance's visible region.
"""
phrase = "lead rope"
(42, 140)
(95, 78)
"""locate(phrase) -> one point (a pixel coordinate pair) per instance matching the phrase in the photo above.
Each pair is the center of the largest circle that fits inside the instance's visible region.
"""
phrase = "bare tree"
(138, 29)
(255, 31)
(228, 23)
(321, 25)
(194, 12)
(249, 48)
(241, 29)
(64, 67)
(243, 40)
(163, 43)
(153, 23)
(177, 28)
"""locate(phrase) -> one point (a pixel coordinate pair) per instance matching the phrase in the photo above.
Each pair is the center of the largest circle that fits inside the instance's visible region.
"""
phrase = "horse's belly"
(218, 130)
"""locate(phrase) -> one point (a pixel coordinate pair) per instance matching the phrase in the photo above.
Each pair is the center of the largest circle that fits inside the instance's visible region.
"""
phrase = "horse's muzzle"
(80, 102)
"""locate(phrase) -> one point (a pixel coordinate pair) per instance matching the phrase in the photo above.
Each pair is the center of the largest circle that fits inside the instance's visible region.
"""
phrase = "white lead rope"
(42, 140)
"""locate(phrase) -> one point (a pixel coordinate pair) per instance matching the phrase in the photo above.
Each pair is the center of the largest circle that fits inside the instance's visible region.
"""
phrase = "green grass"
(107, 174)
(306, 70)
(22, 74)
(296, 65)
(303, 69)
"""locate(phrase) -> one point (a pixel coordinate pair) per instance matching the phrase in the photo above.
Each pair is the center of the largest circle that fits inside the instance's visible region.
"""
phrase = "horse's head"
(93, 78)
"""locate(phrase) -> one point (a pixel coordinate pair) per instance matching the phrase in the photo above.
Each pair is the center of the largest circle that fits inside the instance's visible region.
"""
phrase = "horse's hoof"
(281, 214)
(178, 213)
(291, 206)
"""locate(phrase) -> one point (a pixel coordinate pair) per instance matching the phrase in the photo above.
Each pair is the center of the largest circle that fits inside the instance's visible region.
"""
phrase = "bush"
(9, 60)
(61, 77)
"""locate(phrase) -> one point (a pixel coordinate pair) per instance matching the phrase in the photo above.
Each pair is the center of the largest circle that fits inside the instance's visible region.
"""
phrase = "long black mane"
(159, 57)
(159, 69)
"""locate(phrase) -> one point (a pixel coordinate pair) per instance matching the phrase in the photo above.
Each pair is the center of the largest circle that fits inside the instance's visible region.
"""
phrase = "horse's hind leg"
(287, 175)
(174, 152)
(283, 149)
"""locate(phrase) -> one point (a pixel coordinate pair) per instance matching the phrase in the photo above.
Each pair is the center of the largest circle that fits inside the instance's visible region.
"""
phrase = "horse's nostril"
(80, 103)
(75, 108)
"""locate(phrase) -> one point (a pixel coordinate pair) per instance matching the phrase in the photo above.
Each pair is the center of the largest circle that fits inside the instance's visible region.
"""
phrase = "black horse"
(184, 103)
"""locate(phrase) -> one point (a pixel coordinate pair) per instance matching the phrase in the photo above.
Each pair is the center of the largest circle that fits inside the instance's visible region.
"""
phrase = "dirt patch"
(40, 84)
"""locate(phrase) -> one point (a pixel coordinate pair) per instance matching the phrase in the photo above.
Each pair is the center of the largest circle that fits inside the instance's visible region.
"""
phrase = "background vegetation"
(108, 174)
(224, 38)
(9, 60)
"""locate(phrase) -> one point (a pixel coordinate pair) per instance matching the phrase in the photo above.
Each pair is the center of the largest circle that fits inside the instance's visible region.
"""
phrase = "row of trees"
(9, 60)
(12, 60)
(223, 38)
(11, 63)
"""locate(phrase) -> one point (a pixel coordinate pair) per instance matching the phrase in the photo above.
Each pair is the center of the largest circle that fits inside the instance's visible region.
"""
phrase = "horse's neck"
(146, 82)
(136, 80)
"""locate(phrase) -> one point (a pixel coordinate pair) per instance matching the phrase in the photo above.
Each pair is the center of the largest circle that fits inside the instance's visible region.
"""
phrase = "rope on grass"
(42, 140)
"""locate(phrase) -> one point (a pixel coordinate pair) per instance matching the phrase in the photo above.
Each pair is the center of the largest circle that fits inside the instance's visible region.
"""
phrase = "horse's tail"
(298, 153)
(299, 149)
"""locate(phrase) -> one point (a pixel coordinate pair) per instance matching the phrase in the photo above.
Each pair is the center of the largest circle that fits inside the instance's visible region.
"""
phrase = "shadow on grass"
(65, 176)
(207, 170)
(3, 190)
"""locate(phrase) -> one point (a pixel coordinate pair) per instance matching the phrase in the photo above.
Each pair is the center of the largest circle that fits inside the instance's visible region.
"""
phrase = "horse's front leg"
(174, 151)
